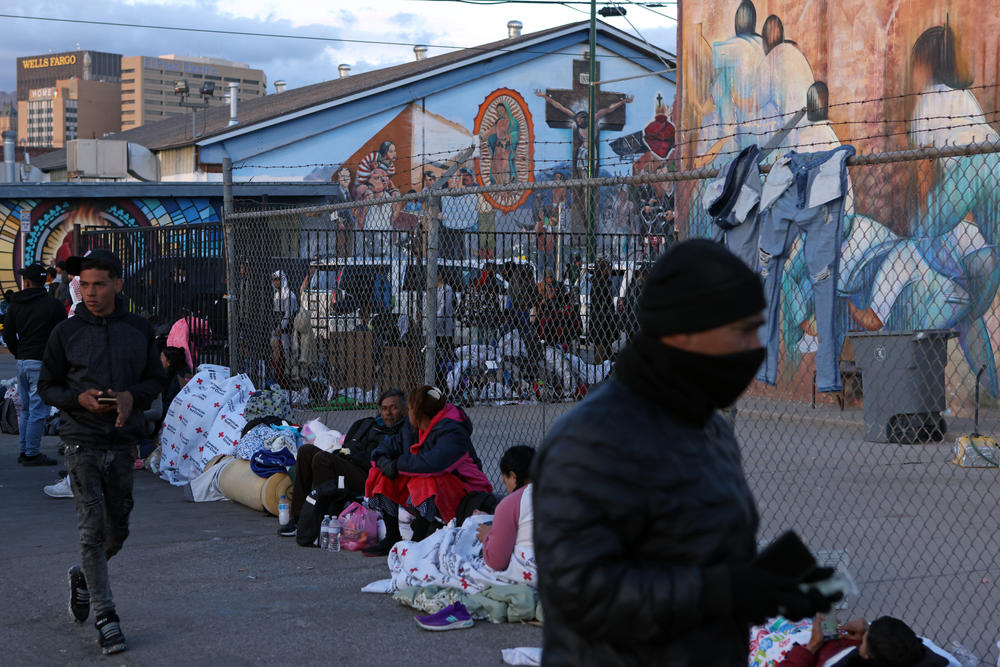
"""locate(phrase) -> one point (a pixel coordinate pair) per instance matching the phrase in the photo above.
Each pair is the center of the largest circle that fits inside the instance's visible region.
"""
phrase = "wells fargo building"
(35, 72)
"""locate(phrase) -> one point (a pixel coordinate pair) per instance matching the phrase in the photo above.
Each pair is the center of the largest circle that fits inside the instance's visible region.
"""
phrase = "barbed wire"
(661, 176)
(745, 134)
(872, 100)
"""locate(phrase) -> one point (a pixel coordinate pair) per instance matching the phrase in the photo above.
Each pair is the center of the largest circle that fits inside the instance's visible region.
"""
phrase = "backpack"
(8, 416)
(324, 499)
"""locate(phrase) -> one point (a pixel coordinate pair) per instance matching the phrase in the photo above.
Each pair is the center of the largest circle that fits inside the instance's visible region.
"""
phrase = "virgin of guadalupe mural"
(506, 146)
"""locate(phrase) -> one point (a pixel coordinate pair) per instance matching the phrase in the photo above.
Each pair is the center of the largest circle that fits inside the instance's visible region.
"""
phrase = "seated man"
(314, 466)
(427, 469)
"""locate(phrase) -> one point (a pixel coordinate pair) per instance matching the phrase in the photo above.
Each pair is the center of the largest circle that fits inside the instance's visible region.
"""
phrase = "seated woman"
(178, 373)
(886, 642)
(513, 519)
(477, 555)
(427, 468)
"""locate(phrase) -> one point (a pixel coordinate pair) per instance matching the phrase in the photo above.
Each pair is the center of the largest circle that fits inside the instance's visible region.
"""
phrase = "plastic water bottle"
(283, 514)
(324, 533)
(334, 539)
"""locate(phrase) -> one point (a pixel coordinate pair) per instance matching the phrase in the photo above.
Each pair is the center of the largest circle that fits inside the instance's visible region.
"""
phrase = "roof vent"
(420, 51)
(279, 86)
(344, 69)
(514, 29)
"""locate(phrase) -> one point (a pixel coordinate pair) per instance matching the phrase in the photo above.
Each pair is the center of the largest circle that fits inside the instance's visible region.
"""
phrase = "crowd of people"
(641, 548)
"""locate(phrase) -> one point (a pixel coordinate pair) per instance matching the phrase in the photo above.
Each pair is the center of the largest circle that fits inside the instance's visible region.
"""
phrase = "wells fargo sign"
(48, 61)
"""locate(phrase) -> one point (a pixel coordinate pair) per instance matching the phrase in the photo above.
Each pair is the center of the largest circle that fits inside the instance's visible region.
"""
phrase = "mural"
(52, 222)
(405, 149)
(506, 146)
(919, 242)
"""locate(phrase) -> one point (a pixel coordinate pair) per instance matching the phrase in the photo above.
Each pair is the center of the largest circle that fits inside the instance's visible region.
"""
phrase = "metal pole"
(231, 279)
(430, 297)
(559, 242)
(592, 148)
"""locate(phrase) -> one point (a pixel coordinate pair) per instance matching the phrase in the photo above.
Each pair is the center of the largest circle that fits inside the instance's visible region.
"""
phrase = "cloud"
(298, 61)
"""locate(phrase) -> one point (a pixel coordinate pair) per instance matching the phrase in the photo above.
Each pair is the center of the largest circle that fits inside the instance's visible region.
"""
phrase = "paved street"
(207, 584)
(212, 582)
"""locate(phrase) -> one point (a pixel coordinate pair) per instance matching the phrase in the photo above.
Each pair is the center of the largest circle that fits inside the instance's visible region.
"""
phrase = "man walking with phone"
(101, 368)
(32, 316)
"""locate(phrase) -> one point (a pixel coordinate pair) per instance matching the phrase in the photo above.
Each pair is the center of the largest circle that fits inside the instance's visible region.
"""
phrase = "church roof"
(213, 123)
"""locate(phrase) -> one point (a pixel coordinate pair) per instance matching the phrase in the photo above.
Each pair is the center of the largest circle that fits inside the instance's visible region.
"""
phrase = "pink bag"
(358, 527)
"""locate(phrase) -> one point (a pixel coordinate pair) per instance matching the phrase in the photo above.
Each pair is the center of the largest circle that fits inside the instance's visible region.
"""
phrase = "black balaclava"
(696, 286)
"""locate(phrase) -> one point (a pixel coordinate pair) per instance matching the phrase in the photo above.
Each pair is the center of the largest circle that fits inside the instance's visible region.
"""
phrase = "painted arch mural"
(53, 220)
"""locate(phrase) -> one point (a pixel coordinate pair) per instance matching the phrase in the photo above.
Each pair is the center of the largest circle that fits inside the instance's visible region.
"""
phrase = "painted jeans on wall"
(805, 193)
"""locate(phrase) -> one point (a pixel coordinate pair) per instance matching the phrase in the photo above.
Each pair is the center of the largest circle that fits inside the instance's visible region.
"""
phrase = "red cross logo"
(527, 575)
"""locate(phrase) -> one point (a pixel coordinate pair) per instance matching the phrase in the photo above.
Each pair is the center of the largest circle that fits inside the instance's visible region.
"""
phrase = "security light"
(181, 87)
(208, 88)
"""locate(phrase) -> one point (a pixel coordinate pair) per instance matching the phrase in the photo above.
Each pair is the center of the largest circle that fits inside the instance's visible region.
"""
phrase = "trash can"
(902, 377)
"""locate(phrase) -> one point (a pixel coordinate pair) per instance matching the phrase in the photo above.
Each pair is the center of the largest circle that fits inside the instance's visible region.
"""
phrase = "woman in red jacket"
(428, 468)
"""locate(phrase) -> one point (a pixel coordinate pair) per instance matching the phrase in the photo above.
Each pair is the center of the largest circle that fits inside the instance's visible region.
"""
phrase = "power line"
(315, 38)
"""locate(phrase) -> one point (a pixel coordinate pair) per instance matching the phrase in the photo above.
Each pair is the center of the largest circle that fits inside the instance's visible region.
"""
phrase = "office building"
(148, 85)
(40, 72)
(69, 109)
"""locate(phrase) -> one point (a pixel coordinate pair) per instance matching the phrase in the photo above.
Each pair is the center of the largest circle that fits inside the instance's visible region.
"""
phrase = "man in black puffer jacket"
(32, 316)
(645, 528)
(101, 368)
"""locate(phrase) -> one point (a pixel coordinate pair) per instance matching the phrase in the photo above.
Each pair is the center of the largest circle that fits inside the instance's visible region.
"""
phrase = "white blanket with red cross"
(453, 557)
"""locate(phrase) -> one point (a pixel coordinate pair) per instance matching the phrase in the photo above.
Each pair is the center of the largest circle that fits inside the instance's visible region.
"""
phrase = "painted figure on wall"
(384, 158)
(581, 122)
(503, 125)
(502, 140)
(567, 109)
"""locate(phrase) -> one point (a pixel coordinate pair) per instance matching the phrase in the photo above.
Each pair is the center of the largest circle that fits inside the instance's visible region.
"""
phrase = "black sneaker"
(21, 457)
(38, 460)
(109, 632)
(79, 596)
(288, 530)
(381, 549)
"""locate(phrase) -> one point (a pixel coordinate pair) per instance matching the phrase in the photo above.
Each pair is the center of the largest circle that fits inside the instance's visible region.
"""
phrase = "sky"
(299, 62)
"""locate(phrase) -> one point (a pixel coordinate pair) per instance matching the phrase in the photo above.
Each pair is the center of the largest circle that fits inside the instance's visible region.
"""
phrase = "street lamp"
(206, 93)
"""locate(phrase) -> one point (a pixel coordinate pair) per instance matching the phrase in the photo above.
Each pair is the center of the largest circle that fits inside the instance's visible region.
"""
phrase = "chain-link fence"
(882, 324)
(171, 274)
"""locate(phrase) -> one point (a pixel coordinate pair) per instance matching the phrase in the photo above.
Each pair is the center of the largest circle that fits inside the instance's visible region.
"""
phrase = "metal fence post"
(227, 240)
(430, 298)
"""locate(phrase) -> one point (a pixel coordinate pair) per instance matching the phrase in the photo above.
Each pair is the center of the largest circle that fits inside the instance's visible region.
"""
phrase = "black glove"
(389, 467)
(759, 594)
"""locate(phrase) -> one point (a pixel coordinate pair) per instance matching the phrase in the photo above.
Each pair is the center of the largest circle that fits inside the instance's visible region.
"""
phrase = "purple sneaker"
(453, 617)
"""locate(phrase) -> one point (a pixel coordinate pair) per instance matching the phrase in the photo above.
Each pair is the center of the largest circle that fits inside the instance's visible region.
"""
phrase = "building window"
(128, 112)
(124, 102)
(251, 82)
(128, 91)
(128, 80)
(127, 71)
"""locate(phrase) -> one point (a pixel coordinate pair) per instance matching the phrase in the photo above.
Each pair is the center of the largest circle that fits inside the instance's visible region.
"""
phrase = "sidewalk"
(208, 583)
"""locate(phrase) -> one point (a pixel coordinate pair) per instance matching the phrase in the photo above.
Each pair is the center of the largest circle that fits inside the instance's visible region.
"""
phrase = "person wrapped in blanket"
(887, 642)
(427, 468)
(513, 519)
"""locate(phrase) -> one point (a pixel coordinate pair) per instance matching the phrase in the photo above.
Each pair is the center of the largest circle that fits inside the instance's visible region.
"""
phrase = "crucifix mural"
(568, 109)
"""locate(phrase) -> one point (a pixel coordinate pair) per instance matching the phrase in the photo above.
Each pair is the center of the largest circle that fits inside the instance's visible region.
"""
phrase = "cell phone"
(107, 400)
(787, 556)
(830, 627)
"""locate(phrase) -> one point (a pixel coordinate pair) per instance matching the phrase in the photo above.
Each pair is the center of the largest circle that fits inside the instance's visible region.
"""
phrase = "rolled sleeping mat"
(242, 485)
(275, 486)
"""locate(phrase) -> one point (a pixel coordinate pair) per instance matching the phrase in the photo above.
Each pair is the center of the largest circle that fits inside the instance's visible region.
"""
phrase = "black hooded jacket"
(32, 316)
(117, 352)
(639, 493)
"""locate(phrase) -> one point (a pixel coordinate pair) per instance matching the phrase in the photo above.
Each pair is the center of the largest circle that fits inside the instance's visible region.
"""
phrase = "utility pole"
(592, 148)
